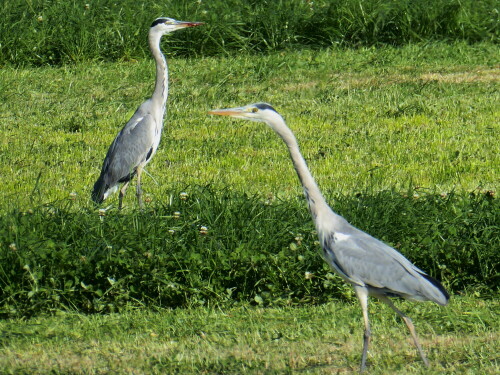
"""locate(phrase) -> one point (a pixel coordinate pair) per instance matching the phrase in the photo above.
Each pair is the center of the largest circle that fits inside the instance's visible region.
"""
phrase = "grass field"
(391, 134)
(366, 119)
(462, 338)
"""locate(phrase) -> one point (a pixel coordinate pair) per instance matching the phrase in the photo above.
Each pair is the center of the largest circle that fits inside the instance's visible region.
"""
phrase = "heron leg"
(410, 326)
(138, 187)
(362, 294)
(121, 194)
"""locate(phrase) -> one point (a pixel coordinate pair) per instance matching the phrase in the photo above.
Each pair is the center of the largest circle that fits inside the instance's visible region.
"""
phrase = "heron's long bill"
(227, 112)
(189, 24)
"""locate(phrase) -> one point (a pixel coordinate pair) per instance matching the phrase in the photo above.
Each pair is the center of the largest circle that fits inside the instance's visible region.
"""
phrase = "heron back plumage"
(366, 261)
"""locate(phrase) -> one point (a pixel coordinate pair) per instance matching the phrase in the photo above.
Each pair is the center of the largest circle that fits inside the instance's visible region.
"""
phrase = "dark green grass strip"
(221, 247)
(42, 32)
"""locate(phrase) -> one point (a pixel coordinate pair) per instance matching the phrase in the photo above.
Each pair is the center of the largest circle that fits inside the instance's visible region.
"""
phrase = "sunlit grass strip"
(460, 338)
(365, 119)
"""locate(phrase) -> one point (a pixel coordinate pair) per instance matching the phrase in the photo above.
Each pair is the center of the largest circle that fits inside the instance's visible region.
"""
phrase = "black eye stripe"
(158, 21)
(264, 106)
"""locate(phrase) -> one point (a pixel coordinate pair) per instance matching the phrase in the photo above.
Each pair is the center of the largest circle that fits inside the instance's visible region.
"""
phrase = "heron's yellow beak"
(191, 24)
(226, 112)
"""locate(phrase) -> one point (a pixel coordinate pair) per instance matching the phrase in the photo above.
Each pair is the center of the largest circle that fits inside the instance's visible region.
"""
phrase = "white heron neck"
(160, 92)
(315, 200)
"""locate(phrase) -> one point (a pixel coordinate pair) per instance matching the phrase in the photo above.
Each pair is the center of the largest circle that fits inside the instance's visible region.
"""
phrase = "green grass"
(366, 119)
(462, 338)
(62, 257)
(41, 32)
(402, 140)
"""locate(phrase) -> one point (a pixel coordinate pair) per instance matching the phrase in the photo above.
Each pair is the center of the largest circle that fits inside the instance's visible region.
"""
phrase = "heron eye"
(255, 110)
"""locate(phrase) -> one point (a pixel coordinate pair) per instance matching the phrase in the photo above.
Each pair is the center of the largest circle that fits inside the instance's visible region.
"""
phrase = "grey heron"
(137, 142)
(369, 265)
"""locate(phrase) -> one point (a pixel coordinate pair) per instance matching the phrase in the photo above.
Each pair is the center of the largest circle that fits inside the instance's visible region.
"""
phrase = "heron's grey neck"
(315, 199)
(160, 93)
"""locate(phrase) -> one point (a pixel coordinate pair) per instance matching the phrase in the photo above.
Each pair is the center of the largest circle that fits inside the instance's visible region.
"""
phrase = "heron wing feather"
(365, 260)
(130, 147)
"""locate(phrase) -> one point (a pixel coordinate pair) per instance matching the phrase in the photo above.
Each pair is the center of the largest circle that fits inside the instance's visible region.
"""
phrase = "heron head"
(260, 112)
(167, 25)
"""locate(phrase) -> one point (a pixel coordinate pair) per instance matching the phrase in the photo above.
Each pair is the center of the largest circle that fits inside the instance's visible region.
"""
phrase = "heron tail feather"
(442, 296)
(99, 191)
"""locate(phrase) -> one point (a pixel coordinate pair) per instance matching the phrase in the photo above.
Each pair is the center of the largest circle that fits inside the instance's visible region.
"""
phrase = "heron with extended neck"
(137, 142)
(369, 265)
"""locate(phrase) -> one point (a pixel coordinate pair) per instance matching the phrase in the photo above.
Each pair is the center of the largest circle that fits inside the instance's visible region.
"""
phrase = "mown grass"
(367, 119)
(41, 32)
(462, 338)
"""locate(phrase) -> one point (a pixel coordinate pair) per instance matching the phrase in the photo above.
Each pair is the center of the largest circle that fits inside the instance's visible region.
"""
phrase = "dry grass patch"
(477, 75)
(351, 80)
